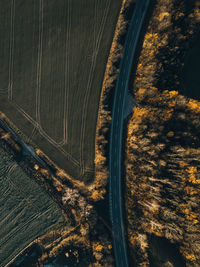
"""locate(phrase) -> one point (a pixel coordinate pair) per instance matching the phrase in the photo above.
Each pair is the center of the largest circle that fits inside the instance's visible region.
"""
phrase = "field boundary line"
(6, 90)
(45, 135)
(36, 125)
(86, 97)
(11, 53)
(39, 75)
(25, 114)
(33, 132)
(67, 83)
(39, 62)
(73, 160)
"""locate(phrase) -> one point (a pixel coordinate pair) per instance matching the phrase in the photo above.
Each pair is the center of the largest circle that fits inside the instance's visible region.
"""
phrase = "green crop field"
(53, 56)
(26, 211)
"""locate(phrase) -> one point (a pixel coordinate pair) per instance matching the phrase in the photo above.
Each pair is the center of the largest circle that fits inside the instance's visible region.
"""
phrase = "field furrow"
(53, 68)
(5, 23)
(25, 50)
(58, 55)
(25, 213)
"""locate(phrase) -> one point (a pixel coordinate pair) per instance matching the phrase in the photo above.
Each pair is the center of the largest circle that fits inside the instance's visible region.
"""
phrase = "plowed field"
(26, 211)
(53, 56)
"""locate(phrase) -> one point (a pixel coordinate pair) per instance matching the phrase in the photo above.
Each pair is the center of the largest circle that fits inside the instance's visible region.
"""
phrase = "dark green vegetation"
(53, 57)
(26, 211)
(191, 72)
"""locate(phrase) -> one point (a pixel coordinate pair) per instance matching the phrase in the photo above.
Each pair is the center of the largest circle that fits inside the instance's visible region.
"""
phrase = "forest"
(163, 144)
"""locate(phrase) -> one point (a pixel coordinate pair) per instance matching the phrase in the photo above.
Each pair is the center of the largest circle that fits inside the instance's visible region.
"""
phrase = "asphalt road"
(121, 92)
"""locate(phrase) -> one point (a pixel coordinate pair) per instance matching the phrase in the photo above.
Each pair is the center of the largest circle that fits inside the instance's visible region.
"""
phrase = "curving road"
(121, 92)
